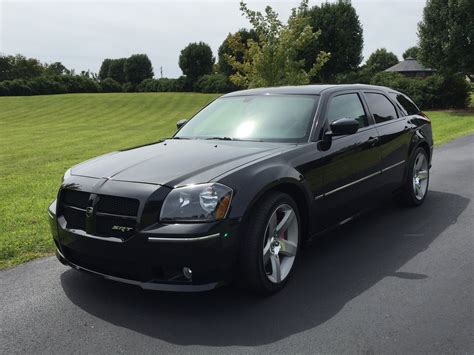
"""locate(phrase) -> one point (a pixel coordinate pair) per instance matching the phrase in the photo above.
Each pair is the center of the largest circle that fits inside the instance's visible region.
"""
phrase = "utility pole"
(161, 72)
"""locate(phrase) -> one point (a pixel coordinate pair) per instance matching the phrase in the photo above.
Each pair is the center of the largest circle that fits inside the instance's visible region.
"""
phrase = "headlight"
(197, 203)
(66, 175)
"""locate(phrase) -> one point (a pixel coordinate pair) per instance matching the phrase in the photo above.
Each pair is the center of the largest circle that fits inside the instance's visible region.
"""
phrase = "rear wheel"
(270, 246)
(418, 177)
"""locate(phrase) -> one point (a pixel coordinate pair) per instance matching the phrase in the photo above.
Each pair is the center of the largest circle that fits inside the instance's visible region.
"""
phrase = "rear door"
(394, 133)
(349, 167)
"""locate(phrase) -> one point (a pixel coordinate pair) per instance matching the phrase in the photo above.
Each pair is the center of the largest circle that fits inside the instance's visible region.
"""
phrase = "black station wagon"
(240, 186)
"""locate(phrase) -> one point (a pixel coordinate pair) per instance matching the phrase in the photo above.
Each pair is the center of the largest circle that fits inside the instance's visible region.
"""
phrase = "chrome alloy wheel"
(280, 243)
(420, 176)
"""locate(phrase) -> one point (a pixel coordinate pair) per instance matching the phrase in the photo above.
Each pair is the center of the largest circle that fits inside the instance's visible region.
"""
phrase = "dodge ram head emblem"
(122, 228)
(89, 211)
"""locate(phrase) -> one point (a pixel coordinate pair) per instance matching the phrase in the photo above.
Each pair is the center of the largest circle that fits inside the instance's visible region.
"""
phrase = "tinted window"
(405, 104)
(381, 107)
(347, 106)
(286, 118)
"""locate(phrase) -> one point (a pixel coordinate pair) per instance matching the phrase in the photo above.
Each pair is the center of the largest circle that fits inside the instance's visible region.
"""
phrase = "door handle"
(373, 141)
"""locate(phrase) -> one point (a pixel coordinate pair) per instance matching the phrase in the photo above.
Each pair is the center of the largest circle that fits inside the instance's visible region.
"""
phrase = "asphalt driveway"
(396, 280)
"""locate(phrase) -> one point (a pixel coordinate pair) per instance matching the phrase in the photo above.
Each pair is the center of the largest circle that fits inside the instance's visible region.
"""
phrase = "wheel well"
(426, 147)
(301, 202)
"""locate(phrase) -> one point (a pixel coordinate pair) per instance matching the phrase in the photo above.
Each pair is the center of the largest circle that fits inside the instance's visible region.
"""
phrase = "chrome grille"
(112, 217)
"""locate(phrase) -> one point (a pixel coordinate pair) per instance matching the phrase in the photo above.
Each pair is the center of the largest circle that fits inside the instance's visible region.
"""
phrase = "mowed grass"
(449, 125)
(42, 136)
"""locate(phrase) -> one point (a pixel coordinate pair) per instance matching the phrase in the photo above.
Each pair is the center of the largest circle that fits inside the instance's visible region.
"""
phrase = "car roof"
(304, 89)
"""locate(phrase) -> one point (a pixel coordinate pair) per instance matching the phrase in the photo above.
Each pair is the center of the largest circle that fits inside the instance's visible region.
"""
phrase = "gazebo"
(410, 67)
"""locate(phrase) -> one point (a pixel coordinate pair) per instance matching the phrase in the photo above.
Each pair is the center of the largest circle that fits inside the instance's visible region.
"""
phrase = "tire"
(415, 188)
(279, 249)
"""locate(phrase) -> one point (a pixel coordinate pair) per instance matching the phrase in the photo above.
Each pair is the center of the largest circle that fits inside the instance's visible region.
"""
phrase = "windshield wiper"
(220, 138)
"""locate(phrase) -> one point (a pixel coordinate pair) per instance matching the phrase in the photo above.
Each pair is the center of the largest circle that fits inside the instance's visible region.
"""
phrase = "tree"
(341, 35)
(19, 67)
(196, 60)
(56, 68)
(138, 68)
(116, 70)
(446, 36)
(273, 60)
(226, 50)
(380, 60)
(411, 52)
(104, 69)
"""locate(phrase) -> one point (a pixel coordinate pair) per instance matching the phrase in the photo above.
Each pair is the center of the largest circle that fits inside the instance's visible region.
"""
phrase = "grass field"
(42, 136)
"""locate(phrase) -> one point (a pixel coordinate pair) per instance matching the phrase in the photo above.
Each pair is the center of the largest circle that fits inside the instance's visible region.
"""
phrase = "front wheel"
(270, 245)
(418, 178)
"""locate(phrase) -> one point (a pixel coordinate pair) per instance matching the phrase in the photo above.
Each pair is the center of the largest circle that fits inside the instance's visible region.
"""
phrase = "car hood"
(177, 162)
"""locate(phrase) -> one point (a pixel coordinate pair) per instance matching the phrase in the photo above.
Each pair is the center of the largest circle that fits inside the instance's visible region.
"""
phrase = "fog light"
(188, 273)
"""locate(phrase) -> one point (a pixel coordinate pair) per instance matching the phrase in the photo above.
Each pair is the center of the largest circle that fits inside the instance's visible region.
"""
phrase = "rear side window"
(381, 107)
(347, 106)
(405, 104)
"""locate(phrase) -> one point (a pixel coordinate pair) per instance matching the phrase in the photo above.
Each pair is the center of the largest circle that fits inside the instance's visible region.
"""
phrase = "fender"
(419, 138)
(265, 177)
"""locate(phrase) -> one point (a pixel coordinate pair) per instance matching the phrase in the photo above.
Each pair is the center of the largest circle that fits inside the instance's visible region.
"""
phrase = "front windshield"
(280, 118)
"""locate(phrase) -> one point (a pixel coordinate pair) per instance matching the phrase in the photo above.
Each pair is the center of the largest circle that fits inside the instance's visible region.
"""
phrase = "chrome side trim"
(180, 240)
(393, 166)
(360, 180)
(347, 185)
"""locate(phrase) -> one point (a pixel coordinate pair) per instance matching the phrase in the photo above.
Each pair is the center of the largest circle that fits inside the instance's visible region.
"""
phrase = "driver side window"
(347, 106)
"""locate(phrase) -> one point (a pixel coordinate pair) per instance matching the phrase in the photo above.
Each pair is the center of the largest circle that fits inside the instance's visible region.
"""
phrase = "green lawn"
(42, 136)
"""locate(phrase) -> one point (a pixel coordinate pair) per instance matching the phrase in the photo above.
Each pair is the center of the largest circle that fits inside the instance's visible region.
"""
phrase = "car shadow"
(329, 274)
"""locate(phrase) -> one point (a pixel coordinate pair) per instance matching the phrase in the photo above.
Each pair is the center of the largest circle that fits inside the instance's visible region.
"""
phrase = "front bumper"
(153, 258)
(144, 285)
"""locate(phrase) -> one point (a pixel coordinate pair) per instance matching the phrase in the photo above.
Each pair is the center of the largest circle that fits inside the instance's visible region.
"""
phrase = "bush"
(110, 85)
(77, 84)
(147, 85)
(18, 87)
(433, 92)
(46, 86)
(4, 90)
(129, 87)
(212, 83)
(361, 76)
(163, 85)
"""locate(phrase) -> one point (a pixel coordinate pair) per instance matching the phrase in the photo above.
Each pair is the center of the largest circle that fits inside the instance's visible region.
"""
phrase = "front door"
(349, 166)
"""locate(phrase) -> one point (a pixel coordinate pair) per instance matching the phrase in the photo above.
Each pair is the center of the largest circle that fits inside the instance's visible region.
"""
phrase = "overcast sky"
(80, 34)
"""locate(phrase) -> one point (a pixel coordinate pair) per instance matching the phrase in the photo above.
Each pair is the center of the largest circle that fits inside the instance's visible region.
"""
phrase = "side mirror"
(343, 126)
(181, 123)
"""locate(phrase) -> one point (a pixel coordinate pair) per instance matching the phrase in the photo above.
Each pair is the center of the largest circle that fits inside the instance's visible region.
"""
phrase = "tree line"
(319, 44)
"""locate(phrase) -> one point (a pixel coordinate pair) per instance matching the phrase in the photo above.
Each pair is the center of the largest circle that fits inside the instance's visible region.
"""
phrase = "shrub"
(431, 92)
(59, 84)
(78, 84)
(361, 76)
(110, 85)
(46, 86)
(212, 83)
(163, 85)
(4, 91)
(18, 87)
(147, 85)
(128, 87)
